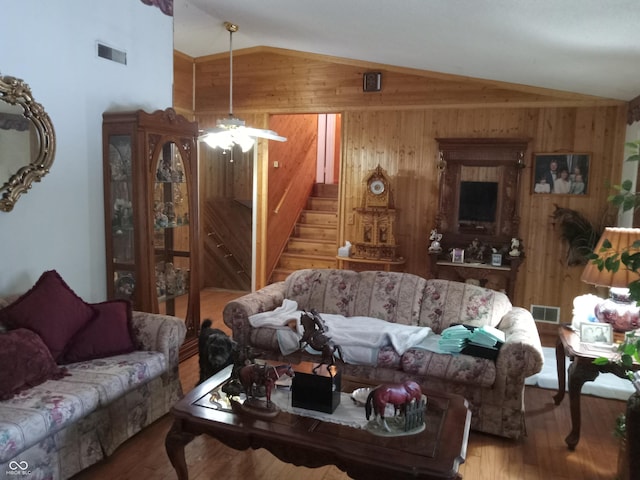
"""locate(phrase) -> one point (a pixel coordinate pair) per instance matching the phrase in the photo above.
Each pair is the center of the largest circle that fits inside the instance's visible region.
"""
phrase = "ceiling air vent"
(112, 54)
(543, 313)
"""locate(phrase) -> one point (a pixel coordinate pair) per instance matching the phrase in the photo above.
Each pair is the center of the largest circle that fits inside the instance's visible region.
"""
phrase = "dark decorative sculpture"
(315, 335)
(254, 376)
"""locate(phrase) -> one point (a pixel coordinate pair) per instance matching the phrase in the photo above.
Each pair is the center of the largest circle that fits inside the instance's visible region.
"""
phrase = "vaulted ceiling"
(584, 46)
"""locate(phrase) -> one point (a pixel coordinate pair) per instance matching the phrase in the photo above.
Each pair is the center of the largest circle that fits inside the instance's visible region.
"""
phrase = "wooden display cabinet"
(151, 214)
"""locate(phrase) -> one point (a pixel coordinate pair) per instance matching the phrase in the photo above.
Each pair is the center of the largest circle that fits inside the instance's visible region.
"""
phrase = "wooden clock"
(377, 191)
(375, 219)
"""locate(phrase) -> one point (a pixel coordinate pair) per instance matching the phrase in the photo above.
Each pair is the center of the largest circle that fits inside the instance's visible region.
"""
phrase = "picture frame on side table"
(596, 332)
(561, 173)
(457, 255)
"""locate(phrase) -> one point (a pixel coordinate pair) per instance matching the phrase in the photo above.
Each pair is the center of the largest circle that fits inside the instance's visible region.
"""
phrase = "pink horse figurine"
(256, 375)
(397, 394)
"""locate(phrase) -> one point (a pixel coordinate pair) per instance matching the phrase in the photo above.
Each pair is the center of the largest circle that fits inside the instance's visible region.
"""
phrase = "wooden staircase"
(314, 241)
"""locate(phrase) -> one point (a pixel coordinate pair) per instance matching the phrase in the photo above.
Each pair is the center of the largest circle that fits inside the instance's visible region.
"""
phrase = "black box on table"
(317, 391)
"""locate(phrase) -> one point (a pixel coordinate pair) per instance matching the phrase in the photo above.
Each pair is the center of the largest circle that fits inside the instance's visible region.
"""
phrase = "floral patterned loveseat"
(493, 388)
(61, 426)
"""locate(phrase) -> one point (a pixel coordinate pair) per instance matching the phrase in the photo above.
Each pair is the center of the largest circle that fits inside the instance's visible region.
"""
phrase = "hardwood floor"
(542, 454)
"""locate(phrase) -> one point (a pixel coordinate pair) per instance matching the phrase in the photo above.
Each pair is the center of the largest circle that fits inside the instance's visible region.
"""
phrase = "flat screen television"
(478, 201)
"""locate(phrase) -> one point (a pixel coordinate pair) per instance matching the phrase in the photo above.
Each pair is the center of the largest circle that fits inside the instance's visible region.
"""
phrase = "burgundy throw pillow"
(50, 309)
(108, 334)
(29, 359)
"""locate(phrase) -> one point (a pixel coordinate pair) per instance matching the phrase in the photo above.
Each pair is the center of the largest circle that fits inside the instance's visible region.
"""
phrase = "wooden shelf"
(483, 266)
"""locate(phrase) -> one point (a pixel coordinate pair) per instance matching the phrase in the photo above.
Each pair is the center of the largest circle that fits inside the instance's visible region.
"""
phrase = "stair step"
(312, 246)
(298, 261)
(322, 204)
(325, 190)
(318, 218)
(321, 232)
(313, 243)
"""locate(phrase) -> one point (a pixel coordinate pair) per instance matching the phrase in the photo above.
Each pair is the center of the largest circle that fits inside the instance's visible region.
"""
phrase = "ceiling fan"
(231, 130)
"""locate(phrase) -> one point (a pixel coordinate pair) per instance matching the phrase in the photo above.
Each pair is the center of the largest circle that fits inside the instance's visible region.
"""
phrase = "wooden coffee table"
(435, 453)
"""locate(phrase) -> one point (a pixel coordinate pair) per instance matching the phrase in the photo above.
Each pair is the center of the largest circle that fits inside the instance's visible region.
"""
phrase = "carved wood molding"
(633, 113)
(504, 157)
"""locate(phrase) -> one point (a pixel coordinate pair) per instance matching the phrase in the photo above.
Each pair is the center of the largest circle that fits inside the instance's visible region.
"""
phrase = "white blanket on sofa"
(359, 338)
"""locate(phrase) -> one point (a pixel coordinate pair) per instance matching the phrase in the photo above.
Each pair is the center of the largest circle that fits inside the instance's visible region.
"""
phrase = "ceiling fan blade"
(209, 131)
(268, 134)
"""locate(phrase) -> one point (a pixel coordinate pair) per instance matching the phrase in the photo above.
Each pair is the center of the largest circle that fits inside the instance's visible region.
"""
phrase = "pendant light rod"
(232, 131)
(231, 28)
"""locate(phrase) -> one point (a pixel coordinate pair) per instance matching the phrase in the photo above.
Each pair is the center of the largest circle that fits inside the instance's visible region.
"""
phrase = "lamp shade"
(621, 240)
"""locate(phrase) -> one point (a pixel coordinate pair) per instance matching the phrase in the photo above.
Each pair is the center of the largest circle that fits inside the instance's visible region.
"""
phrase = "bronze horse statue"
(397, 394)
(256, 375)
(315, 336)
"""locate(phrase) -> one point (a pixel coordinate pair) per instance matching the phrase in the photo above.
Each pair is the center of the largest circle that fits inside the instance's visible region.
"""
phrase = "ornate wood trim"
(633, 113)
(504, 157)
(14, 91)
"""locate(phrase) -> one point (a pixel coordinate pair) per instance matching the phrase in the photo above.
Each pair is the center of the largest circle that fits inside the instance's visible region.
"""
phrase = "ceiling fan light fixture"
(231, 130)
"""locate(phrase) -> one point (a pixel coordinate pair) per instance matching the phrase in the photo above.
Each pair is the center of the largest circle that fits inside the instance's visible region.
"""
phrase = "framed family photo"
(561, 173)
(457, 255)
(595, 332)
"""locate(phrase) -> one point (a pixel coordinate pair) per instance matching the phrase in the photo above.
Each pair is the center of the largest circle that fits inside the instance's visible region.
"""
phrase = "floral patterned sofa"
(493, 388)
(84, 410)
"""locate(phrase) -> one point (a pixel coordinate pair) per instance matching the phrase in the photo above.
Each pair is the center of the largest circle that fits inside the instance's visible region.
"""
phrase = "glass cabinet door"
(122, 225)
(171, 237)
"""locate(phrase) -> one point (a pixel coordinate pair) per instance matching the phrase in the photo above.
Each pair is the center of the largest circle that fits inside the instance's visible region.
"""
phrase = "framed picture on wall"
(561, 173)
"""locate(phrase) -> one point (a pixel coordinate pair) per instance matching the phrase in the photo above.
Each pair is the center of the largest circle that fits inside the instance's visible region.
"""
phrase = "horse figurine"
(397, 394)
(315, 336)
(256, 375)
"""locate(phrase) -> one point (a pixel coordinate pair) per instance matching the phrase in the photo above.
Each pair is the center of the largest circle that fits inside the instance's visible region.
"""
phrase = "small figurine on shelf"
(122, 213)
(476, 251)
(161, 284)
(177, 175)
(160, 218)
(181, 279)
(164, 172)
(516, 247)
(170, 212)
(125, 285)
(170, 278)
(435, 238)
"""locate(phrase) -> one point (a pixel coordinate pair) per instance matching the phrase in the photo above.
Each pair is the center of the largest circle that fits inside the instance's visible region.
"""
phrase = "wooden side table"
(581, 370)
(506, 274)
(360, 264)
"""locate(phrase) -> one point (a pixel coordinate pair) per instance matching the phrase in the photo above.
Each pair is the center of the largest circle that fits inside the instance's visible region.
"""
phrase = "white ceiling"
(583, 46)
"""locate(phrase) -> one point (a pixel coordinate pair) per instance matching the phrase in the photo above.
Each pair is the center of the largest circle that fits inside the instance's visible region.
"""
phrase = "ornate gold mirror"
(27, 141)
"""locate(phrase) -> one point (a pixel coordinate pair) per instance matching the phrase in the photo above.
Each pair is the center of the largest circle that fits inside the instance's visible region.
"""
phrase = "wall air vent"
(112, 54)
(544, 313)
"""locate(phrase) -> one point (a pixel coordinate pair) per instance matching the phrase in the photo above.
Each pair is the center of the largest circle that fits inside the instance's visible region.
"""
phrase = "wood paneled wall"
(183, 85)
(397, 128)
(290, 183)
